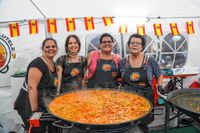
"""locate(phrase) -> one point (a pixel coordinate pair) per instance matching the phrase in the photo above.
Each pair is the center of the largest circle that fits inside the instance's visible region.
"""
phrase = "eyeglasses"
(105, 42)
(54, 46)
(136, 43)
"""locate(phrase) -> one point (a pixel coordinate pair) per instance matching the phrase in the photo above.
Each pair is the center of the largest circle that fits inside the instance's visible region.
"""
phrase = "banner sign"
(7, 51)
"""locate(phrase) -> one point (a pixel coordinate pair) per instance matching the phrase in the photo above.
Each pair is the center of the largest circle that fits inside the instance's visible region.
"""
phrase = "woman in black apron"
(70, 67)
(39, 86)
(106, 65)
(137, 71)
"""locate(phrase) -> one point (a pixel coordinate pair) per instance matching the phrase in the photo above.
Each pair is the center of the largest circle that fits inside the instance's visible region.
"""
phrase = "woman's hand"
(84, 82)
(57, 93)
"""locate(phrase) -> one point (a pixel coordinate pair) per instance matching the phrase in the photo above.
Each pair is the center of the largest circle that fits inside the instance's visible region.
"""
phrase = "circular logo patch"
(3, 56)
(106, 67)
(7, 51)
(135, 76)
(75, 72)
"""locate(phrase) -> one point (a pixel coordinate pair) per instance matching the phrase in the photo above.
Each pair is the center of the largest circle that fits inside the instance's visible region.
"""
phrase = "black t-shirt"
(42, 67)
(46, 88)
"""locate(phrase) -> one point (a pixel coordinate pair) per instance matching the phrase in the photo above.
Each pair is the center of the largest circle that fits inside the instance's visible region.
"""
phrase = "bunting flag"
(33, 26)
(14, 29)
(141, 29)
(51, 25)
(174, 29)
(158, 29)
(123, 28)
(89, 23)
(190, 27)
(70, 24)
(107, 21)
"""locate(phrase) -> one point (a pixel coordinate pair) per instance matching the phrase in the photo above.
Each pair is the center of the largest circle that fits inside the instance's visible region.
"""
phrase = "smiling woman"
(38, 86)
(137, 71)
(103, 64)
(70, 67)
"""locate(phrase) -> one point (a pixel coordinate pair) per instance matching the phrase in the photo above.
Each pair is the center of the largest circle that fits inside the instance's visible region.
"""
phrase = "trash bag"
(171, 86)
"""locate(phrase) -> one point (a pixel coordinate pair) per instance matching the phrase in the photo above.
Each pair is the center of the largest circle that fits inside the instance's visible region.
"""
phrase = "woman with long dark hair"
(70, 67)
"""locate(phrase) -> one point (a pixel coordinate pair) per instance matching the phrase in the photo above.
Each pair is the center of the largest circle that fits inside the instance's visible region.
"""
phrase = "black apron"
(135, 80)
(105, 75)
(72, 77)
(47, 95)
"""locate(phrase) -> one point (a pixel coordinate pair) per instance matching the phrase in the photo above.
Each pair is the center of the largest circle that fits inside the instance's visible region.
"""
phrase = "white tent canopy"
(24, 9)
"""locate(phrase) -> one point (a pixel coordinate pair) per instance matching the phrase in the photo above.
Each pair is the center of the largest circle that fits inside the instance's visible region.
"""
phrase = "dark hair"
(137, 36)
(106, 35)
(67, 42)
(47, 39)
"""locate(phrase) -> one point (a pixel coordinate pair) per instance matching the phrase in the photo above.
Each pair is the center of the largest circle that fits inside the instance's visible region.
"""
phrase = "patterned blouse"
(151, 65)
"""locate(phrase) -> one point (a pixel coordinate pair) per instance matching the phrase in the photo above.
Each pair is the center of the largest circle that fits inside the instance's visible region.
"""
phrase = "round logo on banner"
(6, 52)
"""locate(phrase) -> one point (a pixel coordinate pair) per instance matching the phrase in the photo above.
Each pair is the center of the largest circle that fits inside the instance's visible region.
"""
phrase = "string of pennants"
(89, 25)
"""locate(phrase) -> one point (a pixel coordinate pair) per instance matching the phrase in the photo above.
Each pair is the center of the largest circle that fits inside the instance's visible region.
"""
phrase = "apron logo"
(135, 76)
(106, 67)
(55, 82)
(6, 52)
(114, 74)
(74, 72)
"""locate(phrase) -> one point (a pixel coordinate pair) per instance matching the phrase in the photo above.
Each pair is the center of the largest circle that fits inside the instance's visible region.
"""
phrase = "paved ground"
(7, 114)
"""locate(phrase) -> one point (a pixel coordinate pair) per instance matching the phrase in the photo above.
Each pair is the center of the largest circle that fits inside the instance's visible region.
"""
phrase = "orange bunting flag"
(141, 29)
(174, 29)
(190, 27)
(89, 23)
(14, 29)
(123, 28)
(107, 21)
(51, 25)
(70, 23)
(33, 26)
(158, 29)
